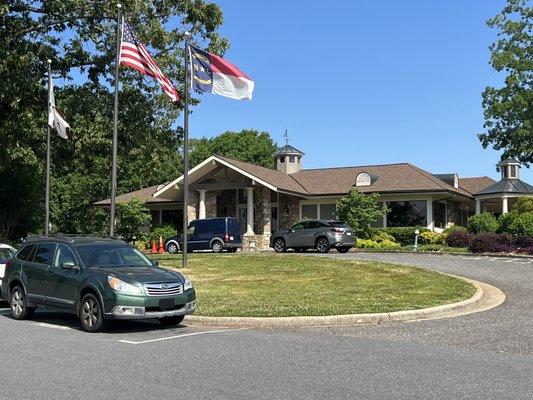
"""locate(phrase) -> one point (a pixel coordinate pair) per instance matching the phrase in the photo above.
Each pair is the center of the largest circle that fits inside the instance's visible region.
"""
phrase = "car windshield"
(6, 254)
(111, 255)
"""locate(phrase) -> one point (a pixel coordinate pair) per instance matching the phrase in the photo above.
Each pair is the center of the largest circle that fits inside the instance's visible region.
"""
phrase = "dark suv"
(311, 233)
(216, 234)
(96, 279)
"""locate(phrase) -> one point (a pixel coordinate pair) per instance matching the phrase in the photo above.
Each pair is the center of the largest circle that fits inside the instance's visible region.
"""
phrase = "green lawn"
(268, 285)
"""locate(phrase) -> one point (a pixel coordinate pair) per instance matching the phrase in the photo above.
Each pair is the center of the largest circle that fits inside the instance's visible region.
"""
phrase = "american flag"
(134, 54)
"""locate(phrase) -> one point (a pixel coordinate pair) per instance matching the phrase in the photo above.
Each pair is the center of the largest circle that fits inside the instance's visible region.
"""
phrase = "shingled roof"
(475, 184)
(145, 195)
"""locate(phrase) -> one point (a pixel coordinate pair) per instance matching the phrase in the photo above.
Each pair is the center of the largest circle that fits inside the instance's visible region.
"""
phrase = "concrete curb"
(444, 253)
(485, 297)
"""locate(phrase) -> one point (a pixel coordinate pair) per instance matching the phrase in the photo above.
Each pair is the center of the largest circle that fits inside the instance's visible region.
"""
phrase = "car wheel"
(322, 245)
(19, 305)
(91, 316)
(216, 246)
(172, 248)
(343, 249)
(175, 320)
(279, 245)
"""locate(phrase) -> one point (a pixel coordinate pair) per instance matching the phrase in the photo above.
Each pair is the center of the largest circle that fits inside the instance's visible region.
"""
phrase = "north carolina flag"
(211, 73)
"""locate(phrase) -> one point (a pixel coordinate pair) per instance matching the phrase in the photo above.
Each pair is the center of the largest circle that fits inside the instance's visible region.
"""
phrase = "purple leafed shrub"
(459, 239)
(500, 243)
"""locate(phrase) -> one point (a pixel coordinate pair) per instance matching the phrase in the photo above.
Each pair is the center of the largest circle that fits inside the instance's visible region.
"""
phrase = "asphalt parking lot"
(486, 355)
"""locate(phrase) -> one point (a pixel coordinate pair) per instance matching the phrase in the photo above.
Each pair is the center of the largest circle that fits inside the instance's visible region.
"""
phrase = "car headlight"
(188, 284)
(122, 287)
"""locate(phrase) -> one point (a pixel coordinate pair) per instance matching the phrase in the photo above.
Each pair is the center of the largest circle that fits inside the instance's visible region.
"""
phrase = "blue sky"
(363, 82)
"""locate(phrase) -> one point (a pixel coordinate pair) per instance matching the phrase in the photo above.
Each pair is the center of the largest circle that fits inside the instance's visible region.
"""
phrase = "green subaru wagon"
(95, 278)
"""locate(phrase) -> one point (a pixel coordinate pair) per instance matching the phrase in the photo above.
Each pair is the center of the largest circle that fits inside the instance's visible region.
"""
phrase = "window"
(44, 253)
(291, 159)
(298, 226)
(282, 160)
(309, 211)
(327, 211)
(406, 213)
(513, 171)
(6, 254)
(504, 172)
(363, 179)
(172, 217)
(64, 255)
(315, 225)
(25, 252)
(112, 255)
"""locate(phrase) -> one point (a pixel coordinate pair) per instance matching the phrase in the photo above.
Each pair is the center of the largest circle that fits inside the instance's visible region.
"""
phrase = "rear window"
(233, 225)
(339, 224)
(6, 254)
(25, 252)
(44, 253)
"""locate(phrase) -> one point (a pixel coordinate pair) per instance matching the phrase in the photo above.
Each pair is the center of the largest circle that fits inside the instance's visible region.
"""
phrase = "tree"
(79, 37)
(360, 210)
(508, 110)
(247, 145)
(133, 217)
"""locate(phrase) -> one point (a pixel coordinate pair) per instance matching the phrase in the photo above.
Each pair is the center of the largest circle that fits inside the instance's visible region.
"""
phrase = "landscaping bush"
(454, 228)
(431, 238)
(492, 243)
(523, 205)
(459, 238)
(166, 232)
(521, 224)
(404, 235)
(504, 221)
(374, 244)
(485, 222)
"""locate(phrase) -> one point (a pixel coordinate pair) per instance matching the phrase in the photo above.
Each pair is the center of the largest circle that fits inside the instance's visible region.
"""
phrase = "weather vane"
(286, 136)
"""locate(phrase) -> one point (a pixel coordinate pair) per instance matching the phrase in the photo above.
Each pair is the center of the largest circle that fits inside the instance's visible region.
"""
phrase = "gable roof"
(475, 184)
(145, 195)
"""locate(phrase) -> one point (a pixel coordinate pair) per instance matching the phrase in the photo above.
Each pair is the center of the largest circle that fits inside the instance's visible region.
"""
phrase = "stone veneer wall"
(255, 242)
(192, 206)
(287, 203)
(262, 211)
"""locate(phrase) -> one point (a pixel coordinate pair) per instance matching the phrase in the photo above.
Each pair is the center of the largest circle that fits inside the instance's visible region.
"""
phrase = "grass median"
(272, 285)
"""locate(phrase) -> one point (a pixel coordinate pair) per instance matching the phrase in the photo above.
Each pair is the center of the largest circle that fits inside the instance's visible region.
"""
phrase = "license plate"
(349, 233)
(166, 304)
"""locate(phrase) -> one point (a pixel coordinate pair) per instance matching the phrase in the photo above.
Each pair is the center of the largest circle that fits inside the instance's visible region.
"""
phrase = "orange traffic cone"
(154, 248)
(161, 249)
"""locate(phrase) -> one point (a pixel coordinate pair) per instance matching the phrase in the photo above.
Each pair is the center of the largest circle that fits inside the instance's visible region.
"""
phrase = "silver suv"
(312, 233)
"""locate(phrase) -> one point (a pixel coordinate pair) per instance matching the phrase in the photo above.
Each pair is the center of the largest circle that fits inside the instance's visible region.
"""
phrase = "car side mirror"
(69, 265)
(155, 263)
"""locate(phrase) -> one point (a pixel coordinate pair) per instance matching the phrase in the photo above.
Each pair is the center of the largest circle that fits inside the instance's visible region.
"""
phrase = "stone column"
(505, 205)
(192, 206)
(429, 215)
(201, 208)
(250, 211)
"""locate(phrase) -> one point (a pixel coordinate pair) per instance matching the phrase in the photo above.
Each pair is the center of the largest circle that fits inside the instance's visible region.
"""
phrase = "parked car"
(311, 233)
(216, 234)
(95, 278)
(6, 252)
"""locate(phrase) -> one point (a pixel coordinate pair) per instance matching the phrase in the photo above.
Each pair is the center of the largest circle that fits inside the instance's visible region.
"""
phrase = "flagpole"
(186, 152)
(115, 136)
(47, 189)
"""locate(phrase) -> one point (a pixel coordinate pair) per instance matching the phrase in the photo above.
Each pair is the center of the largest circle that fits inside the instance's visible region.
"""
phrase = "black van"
(216, 234)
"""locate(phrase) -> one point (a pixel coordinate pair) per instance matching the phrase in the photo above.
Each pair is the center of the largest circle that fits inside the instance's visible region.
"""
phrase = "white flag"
(55, 120)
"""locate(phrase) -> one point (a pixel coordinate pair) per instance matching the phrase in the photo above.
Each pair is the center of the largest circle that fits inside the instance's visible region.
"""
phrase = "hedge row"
(488, 242)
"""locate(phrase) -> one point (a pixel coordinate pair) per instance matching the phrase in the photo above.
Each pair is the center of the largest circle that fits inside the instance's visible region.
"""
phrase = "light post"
(415, 247)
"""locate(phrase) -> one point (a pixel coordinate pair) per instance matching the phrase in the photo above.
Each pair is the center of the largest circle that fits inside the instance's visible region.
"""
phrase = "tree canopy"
(79, 37)
(247, 145)
(508, 110)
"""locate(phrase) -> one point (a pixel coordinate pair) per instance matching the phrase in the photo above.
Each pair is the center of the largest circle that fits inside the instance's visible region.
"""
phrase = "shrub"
(521, 224)
(505, 220)
(459, 238)
(492, 243)
(373, 244)
(523, 205)
(485, 222)
(454, 228)
(431, 238)
(380, 236)
(166, 232)
(404, 235)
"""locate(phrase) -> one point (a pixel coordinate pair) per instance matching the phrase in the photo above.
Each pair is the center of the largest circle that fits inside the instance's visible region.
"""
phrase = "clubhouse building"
(265, 199)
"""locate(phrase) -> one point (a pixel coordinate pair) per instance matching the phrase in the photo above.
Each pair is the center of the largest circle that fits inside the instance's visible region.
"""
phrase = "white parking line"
(61, 327)
(180, 336)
